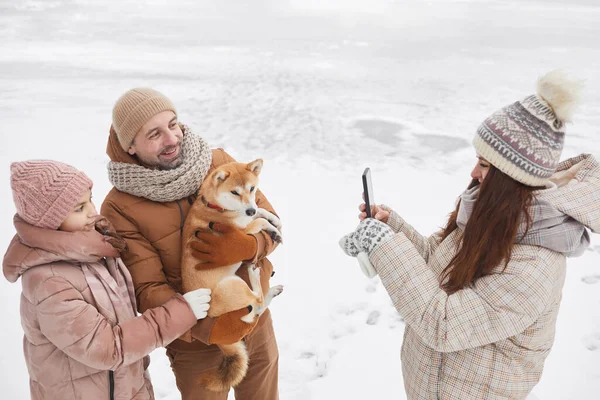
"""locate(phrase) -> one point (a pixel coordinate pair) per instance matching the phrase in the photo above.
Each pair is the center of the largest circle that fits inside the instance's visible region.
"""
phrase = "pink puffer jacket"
(78, 344)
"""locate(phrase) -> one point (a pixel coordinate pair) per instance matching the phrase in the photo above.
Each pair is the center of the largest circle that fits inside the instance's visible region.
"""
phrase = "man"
(156, 168)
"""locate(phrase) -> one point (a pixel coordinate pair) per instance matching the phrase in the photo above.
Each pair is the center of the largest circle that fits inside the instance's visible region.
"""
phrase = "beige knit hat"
(134, 109)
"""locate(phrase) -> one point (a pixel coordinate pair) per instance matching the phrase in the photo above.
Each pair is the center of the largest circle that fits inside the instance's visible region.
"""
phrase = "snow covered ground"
(319, 90)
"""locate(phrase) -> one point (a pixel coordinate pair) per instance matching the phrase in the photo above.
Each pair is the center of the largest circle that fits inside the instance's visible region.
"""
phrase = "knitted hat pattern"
(525, 139)
(133, 109)
(45, 192)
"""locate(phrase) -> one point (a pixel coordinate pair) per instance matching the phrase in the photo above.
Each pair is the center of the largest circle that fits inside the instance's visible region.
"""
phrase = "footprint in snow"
(592, 342)
(322, 362)
(317, 360)
(591, 279)
(373, 317)
(306, 355)
(340, 331)
(345, 310)
(370, 287)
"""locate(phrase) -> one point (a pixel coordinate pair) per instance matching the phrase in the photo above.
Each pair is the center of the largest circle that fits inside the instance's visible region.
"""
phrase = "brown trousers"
(261, 379)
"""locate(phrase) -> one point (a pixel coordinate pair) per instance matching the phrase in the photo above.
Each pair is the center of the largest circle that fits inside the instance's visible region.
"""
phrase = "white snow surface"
(319, 90)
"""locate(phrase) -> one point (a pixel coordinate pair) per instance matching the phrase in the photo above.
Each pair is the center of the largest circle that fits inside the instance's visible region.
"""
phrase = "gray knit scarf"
(168, 185)
(551, 228)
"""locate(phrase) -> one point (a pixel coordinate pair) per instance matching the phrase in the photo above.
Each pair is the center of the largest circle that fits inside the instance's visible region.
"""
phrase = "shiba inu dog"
(227, 196)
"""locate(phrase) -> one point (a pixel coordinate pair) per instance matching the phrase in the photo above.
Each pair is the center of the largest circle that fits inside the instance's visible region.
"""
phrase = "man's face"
(158, 142)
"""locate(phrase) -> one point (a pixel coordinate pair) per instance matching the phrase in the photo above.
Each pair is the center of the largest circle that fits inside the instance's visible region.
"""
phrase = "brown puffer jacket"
(76, 344)
(153, 234)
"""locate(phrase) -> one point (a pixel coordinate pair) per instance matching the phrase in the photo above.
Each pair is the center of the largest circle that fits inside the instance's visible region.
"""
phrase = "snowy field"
(319, 89)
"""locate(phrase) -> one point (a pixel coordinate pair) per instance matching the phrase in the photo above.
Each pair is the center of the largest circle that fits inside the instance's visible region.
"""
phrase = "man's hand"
(229, 328)
(224, 329)
(228, 246)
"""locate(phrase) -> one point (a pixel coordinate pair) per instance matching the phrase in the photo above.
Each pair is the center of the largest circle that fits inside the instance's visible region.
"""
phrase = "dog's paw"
(276, 290)
(270, 217)
(276, 236)
(273, 292)
(276, 222)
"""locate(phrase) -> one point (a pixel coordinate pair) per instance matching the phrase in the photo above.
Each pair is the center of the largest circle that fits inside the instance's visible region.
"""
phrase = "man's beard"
(163, 165)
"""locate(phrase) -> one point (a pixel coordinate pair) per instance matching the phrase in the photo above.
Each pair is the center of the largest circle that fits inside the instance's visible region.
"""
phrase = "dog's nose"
(250, 212)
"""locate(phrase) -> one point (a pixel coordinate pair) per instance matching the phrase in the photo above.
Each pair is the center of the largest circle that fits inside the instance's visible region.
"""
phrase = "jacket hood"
(115, 152)
(568, 206)
(33, 246)
(575, 190)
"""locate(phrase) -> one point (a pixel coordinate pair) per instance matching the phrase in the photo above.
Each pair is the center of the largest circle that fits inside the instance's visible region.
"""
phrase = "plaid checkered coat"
(488, 341)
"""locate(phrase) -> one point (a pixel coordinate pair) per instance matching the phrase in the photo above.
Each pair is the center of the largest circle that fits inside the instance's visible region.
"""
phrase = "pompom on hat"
(45, 192)
(525, 139)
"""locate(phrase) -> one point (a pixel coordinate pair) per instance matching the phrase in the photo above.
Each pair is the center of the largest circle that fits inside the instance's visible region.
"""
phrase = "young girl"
(82, 337)
(481, 297)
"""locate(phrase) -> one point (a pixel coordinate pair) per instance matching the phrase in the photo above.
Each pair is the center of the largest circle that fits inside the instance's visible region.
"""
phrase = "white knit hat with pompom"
(525, 139)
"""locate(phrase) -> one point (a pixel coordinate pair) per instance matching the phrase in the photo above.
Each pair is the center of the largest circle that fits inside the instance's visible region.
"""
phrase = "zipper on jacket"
(181, 218)
(111, 384)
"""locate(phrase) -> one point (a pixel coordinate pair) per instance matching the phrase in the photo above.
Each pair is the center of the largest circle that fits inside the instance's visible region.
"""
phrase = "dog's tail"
(231, 371)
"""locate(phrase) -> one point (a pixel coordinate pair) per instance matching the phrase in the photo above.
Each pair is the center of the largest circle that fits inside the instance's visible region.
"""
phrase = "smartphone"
(368, 191)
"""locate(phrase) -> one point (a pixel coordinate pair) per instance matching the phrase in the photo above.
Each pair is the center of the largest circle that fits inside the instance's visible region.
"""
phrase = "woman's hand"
(369, 234)
(377, 212)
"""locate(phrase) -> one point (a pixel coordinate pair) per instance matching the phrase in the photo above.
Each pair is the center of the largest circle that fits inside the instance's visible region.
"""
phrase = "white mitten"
(198, 300)
(369, 234)
(365, 264)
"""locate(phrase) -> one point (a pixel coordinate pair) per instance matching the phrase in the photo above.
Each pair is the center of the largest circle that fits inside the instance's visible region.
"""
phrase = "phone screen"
(368, 191)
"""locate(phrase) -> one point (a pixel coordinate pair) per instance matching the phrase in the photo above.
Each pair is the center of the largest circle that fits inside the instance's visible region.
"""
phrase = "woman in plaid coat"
(480, 298)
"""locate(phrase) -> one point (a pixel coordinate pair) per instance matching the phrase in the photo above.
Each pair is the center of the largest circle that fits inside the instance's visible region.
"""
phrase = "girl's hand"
(377, 212)
(106, 228)
(198, 300)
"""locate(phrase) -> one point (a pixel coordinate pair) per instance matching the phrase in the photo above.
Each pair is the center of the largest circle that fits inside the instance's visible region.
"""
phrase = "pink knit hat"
(45, 192)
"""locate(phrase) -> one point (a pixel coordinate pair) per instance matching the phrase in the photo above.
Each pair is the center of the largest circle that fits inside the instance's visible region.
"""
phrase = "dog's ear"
(220, 176)
(255, 166)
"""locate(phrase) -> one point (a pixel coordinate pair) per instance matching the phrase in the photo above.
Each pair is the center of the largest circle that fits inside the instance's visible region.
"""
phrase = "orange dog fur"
(227, 196)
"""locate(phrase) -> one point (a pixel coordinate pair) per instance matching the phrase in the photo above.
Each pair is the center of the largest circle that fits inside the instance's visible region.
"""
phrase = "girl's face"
(481, 169)
(82, 217)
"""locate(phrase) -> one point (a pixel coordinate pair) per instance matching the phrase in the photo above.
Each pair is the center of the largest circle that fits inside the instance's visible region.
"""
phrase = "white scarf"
(550, 228)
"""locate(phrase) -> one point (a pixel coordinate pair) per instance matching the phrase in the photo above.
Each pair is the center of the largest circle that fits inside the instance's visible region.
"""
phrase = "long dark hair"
(489, 235)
